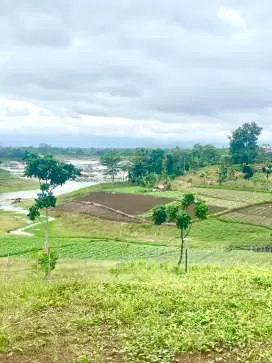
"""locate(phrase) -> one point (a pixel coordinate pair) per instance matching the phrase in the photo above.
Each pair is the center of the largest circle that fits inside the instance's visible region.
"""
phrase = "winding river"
(7, 201)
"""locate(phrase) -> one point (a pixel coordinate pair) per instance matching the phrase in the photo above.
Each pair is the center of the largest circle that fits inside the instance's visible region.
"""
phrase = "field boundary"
(237, 209)
(142, 220)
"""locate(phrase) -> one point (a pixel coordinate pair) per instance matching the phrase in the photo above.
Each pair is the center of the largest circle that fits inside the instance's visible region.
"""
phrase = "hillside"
(117, 294)
(139, 313)
(203, 176)
(11, 183)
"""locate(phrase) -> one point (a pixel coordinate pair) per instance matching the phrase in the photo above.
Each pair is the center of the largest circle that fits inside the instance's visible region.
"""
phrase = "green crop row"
(85, 248)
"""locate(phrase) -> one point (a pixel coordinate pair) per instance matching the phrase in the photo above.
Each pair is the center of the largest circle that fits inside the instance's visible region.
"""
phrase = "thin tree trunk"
(112, 182)
(48, 273)
(181, 247)
(186, 259)
(46, 231)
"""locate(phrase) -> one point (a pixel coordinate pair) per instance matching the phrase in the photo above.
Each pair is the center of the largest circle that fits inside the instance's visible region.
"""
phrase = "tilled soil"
(97, 211)
(133, 204)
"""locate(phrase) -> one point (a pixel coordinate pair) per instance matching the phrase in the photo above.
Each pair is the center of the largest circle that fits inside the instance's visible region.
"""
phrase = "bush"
(172, 210)
(247, 171)
(159, 214)
(151, 180)
(47, 261)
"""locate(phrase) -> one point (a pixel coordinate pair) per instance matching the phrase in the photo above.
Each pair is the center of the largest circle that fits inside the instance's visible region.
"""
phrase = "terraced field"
(260, 215)
(233, 198)
(213, 196)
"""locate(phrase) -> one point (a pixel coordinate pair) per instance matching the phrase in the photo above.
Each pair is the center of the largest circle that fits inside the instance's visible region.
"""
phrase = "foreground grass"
(11, 183)
(140, 314)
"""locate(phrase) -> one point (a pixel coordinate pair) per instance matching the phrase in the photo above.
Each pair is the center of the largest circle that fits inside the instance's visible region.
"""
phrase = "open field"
(128, 203)
(211, 233)
(228, 198)
(213, 196)
(239, 183)
(139, 313)
(11, 183)
(260, 215)
(120, 207)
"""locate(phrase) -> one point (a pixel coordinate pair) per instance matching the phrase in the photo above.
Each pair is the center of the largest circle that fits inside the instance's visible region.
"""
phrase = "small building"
(268, 151)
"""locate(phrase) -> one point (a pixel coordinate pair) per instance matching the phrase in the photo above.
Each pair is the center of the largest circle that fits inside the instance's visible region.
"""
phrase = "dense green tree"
(144, 162)
(247, 171)
(159, 214)
(112, 164)
(139, 165)
(243, 143)
(79, 151)
(150, 180)
(169, 164)
(267, 170)
(155, 161)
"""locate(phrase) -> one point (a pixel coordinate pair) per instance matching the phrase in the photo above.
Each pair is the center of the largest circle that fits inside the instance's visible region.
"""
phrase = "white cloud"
(233, 16)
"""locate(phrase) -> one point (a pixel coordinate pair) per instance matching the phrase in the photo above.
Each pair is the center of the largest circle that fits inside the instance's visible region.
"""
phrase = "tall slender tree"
(177, 211)
(50, 173)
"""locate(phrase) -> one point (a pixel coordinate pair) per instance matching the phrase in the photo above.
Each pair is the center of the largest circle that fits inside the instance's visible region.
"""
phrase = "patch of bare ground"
(32, 358)
(98, 211)
(120, 207)
(133, 204)
(47, 358)
(205, 358)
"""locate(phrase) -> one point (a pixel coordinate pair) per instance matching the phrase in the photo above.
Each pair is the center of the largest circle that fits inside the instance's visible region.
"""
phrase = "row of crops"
(78, 248)
(85, 248)
(213, 196)
(235, 196)
(260, 215)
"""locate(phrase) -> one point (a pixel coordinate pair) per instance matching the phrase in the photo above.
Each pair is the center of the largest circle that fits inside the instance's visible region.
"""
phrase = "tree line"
(146, 165)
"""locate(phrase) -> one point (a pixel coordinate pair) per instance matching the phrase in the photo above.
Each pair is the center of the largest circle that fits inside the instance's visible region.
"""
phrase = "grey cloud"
(173, 62)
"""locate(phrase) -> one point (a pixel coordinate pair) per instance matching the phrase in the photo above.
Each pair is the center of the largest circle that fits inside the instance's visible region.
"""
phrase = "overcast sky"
(133, 72)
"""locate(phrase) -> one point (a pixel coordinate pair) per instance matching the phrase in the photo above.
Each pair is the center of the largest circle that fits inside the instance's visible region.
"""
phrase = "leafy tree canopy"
(243, 143)
(48, 170)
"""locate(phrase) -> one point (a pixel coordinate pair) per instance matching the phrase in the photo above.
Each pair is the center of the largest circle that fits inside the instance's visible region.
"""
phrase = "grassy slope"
(10, 183)
(239, 183)
(10, 221)
(139, 314)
